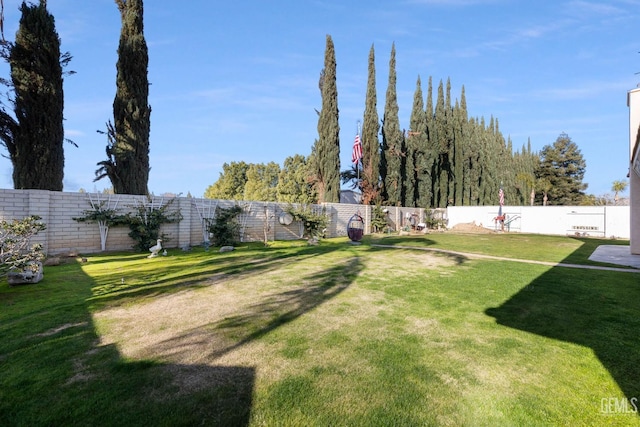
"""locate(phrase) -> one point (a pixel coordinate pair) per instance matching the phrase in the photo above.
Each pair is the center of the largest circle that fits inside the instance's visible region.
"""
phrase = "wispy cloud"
(73, 133)
(215, 95)
(528, 33)
(584, 90)
(455, 3)
(582, 8)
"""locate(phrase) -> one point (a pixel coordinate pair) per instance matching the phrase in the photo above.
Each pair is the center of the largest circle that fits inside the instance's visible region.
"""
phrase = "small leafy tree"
(314, 223)
(224, 227)
(379, 219)
(433, 221)
(15, 237)
(544, 186)
(146, 220)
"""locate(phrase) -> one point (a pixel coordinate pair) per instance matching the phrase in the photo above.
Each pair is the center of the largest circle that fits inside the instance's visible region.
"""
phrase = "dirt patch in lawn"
(60, 328)
(407, 261)
(470, 227)
(222, 321)
(236, 320)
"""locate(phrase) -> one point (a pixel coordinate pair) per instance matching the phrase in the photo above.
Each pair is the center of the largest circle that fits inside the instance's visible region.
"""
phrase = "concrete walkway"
(615, 254)
(526, 261)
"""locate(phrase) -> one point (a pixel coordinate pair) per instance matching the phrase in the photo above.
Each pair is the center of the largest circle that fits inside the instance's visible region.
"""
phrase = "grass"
(570, 250)
(334, 334)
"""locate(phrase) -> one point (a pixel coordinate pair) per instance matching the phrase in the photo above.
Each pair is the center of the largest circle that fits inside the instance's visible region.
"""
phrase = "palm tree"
(528, 181)
(544, 186)
(618, 187)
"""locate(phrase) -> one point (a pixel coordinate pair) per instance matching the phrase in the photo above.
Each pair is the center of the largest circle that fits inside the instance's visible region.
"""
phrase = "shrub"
(224, 227)
(15, 237)
(434, 220)
(314, 223)
(379, 220)
(145, 223)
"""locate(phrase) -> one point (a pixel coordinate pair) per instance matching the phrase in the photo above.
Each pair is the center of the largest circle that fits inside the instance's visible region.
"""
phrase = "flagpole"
(357, 167)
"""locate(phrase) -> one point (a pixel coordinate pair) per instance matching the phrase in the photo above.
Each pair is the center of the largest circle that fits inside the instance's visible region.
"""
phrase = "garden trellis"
(243, 223)
(207, 212)
(103, 216)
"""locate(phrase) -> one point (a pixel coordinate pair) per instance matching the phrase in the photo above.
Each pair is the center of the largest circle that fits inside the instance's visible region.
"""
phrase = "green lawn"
(334, 334)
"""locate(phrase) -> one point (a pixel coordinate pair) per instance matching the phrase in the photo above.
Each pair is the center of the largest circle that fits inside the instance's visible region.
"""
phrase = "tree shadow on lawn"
(596, 309)
(255, 321)
(53, 370)
(208, 272)
(418, 241)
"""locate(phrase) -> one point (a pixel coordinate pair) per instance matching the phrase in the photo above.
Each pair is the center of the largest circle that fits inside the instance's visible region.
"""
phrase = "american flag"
(356, 154)
(501, 196)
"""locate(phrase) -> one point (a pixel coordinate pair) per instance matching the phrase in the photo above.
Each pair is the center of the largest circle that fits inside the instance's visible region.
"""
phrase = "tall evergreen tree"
(427, 154)
(370, 141)
(450, 127)
(416, 138)
(441, 143)
(326, 150)
(472, 168)
(460, 148)
(35, 137)
(526, 163)
(392, 141)
(563, 166)
(127, 164)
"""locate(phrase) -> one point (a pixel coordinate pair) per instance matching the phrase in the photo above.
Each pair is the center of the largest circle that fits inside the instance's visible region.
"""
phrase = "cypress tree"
(127, 164)
(491, 166)
(460, 148)
(415, 146)
(34, 139)
(449, 161)
(441, 186)
(370, 142)
(426, 161)
(392, 141)
(326, 151)
(482, 160)
(472, 168)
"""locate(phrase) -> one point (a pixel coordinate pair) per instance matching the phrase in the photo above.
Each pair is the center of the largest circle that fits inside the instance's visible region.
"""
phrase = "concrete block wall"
(64, 234)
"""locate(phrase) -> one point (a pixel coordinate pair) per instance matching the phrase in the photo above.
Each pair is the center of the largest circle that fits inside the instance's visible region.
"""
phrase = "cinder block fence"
(260, 219)
(64, 234)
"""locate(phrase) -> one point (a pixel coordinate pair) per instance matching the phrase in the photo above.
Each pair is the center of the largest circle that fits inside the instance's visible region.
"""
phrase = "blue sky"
(238, 80)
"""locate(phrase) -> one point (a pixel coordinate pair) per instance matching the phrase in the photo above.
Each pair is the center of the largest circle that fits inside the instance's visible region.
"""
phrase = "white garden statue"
(155, 249)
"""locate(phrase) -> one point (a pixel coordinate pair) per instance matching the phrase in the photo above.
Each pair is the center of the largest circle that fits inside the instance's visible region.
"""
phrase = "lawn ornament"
(155, 249)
